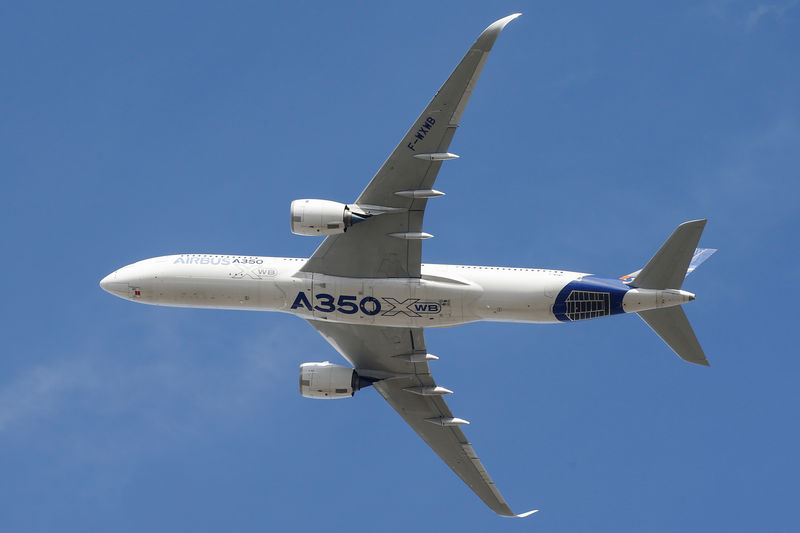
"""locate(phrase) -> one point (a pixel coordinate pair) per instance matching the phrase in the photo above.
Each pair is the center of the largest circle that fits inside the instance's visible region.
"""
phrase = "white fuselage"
(445, 295)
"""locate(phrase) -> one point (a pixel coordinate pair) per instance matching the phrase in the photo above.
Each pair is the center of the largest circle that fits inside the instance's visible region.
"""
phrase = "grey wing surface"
(367, 249)
(396, 357)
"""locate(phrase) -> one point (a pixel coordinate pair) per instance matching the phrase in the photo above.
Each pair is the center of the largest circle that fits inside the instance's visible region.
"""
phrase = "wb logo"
(410, 307)
(426, 308)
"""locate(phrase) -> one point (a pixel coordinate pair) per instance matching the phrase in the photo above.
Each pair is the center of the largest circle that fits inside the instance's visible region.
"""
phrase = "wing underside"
(396, 357)
(388, 245)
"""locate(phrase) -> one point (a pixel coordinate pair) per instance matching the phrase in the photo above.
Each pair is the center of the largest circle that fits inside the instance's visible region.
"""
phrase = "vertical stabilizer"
(667, 268)
(671, 324)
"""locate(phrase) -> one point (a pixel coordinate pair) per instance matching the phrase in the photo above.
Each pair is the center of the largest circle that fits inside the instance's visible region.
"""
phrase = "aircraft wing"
(389, 245)
(397, 358)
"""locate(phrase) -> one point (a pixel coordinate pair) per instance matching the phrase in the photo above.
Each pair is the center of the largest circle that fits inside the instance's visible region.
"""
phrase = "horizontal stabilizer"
(700, 255)
(671, 324)
(668, 267)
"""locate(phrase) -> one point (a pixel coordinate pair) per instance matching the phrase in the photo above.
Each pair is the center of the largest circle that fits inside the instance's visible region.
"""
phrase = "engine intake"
(322, 217)
(327, 381)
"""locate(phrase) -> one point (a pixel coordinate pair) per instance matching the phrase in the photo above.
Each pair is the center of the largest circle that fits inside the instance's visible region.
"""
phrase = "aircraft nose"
(113, 285)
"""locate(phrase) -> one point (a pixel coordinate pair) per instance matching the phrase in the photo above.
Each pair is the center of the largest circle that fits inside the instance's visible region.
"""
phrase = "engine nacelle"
(327, 381)
(322, 217)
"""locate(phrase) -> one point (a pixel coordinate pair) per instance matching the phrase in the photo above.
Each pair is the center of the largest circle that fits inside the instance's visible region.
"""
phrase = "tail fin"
(671, 324)
(667, 270)
(668, 267)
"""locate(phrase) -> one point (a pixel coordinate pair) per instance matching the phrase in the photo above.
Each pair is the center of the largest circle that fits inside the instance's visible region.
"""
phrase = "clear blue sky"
(140, 129)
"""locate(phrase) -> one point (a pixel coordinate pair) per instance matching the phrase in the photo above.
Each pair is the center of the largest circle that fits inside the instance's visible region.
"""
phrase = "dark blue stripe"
(614, 287)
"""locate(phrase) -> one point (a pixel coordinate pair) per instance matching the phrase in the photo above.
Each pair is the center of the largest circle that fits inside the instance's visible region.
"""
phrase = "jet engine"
(327, 381)
(323, 217)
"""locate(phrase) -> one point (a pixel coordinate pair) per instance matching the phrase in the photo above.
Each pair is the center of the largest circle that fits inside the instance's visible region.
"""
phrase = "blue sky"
(141, 129)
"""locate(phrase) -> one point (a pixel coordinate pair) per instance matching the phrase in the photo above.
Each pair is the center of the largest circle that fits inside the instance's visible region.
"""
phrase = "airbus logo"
(216, 260)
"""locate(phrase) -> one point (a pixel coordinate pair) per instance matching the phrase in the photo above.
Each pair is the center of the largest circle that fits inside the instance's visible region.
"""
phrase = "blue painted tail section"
(593, 297)
(589, 297)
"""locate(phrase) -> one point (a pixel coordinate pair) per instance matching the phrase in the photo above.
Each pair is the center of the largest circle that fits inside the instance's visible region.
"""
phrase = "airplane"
(367, 292)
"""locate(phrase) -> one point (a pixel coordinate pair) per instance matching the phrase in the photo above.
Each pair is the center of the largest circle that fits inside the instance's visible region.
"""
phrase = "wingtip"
(699, 222)
(523, 515)
(702, 360)
(499, 24)
(489, 35)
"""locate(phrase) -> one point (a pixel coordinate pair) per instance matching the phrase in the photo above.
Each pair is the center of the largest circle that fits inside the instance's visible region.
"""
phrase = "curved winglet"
(523, 515)
(486, 39)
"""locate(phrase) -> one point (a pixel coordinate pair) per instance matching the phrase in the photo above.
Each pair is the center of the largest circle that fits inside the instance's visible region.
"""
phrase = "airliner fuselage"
(445, 295)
